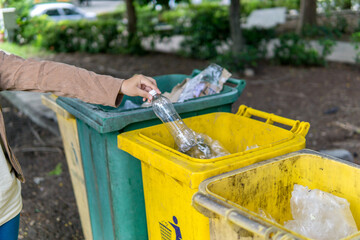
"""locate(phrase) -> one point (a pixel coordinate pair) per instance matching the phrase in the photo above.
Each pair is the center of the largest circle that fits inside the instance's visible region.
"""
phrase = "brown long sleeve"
(61, 79)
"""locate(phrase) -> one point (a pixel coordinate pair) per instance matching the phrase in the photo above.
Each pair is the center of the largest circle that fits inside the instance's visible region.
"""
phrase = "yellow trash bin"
(171, 178)
(234, 201)
(69, 135)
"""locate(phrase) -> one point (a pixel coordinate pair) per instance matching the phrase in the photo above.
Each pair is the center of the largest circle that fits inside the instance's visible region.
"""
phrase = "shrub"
(208, 29)
(322, 31)
(247, 6)
(70, 36)
(115, 15)
(249, 57)
(293, 50)
(147, 19)
(355, 39)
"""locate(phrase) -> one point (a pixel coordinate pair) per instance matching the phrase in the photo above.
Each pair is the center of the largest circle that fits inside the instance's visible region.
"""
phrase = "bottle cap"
(153, 92)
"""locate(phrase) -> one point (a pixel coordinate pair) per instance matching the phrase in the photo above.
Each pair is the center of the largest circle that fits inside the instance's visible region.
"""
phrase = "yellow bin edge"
(69, 135)
(226, 217)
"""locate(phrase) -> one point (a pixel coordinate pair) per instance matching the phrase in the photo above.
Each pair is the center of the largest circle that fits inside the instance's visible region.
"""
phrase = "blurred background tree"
(307, 14)
(210, 29)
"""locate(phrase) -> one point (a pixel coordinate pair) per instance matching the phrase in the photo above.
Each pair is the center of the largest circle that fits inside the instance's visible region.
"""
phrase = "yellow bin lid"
(238, 132)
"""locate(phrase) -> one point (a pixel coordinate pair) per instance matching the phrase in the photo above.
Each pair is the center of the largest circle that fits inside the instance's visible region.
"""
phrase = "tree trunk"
(235, 28)
(307, 14)
(131, 14)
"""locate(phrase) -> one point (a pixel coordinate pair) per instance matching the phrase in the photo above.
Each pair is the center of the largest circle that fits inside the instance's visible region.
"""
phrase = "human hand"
(139, 85)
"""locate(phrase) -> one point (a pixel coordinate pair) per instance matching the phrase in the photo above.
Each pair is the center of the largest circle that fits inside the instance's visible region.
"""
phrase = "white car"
(61, 11)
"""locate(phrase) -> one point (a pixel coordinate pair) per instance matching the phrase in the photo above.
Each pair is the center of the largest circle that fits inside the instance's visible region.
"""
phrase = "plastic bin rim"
(203, 187)
(143, 114)
(175, 153)
(191, 172)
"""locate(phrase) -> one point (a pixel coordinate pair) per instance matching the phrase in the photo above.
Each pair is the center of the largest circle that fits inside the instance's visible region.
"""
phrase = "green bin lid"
(106, 119)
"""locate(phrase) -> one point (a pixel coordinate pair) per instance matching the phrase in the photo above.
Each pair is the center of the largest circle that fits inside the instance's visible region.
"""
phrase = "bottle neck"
(154, 93)
(157, 96)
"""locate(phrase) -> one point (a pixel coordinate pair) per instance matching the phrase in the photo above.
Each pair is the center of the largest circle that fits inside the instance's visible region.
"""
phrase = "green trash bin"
(113, 177)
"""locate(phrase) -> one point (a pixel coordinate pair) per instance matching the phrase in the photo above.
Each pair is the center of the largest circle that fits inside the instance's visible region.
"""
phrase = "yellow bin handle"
(210, 207)
(297, 127)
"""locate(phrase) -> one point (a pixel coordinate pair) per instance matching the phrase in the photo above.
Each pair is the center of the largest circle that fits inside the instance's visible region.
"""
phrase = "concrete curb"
(30, 104)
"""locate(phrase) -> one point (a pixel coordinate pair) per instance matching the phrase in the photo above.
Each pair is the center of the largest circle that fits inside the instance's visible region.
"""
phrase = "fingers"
(139, 85)
(144, 94)
(151, 80)
(149, 84)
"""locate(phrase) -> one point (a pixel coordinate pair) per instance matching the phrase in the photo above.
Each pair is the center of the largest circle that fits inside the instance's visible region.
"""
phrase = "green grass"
(25, 51)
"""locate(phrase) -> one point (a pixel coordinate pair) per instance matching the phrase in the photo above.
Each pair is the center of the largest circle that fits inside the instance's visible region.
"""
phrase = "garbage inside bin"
(234, 202)
(187, 140)
(216, 149)
(320, 215)
(207, 82)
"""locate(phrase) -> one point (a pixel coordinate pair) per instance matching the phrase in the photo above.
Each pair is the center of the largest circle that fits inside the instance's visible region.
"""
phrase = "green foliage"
(115, 15)
(208, 29)
(355, 39)
(235, 62)
(22, 6)
(357, 29)
(29, 29)
(71, 36)
(56, 171)
(327, 6)
(147, 19)
(257, 37)
(247, 6)
(333, 30)
(178, 18)
(341, 24)
(327, 46)
(25, 51)
(293, 50)
(343, 4)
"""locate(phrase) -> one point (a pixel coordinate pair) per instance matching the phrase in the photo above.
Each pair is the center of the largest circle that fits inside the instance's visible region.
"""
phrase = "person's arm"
(69, 81)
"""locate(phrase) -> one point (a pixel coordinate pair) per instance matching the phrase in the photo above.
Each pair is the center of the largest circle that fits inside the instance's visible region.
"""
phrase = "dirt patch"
(321, 96)
(49, 210)
(325, 97)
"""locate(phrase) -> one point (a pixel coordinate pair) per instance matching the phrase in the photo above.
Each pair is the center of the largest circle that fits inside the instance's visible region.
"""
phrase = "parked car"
(61, 11)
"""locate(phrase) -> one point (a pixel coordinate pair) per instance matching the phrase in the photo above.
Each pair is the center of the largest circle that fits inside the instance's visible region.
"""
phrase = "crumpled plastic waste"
(251, 147)
(320, 215)
(207, 82)
(266, 215)
(207, 148)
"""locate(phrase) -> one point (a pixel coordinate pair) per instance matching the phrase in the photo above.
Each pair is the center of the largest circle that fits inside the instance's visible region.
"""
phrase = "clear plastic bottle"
(184, 137)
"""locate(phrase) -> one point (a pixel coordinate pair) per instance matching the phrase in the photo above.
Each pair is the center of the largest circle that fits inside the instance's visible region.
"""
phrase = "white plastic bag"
(207, 82)
(320, 215)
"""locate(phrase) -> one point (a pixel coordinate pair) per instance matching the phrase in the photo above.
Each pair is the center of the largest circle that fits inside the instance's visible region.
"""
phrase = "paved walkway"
(30, 103)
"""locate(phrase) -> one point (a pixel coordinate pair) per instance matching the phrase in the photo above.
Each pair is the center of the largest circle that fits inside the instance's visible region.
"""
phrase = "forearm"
(61, 79)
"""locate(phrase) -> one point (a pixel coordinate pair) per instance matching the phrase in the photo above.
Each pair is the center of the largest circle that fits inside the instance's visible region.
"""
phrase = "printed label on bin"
(169, 229)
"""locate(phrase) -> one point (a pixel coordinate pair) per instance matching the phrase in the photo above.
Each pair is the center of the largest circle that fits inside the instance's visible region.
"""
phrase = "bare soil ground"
(327, 97)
